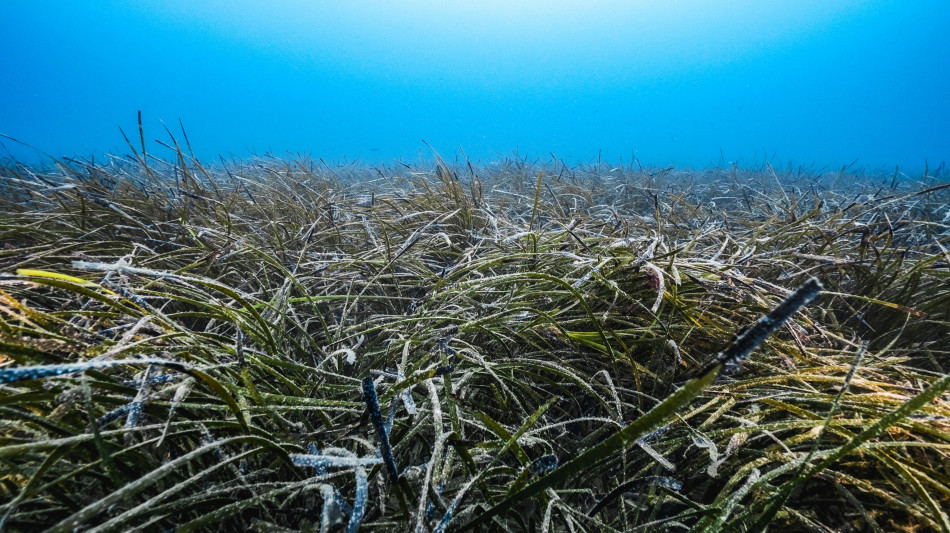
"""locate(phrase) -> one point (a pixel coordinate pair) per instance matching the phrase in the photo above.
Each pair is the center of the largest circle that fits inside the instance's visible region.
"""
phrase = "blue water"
(695, 83)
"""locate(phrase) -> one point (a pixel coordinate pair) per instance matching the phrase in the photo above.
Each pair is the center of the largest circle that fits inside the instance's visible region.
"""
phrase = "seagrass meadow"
(283, 345)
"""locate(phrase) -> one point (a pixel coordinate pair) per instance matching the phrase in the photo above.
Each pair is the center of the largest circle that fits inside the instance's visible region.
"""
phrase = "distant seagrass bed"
(287, 345)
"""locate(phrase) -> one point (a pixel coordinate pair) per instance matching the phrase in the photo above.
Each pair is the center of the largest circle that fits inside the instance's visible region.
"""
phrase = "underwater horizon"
(694, 83)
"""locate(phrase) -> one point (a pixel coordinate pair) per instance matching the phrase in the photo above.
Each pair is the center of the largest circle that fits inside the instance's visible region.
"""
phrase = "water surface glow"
(693, 82)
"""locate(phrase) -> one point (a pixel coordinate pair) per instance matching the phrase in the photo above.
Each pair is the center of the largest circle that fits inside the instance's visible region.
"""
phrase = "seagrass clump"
(286, 345)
